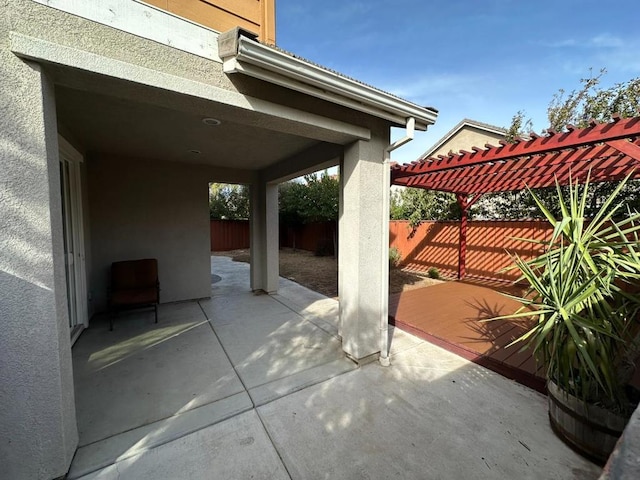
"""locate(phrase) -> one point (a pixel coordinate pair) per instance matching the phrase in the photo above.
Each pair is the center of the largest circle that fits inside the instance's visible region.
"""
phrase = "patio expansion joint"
(235, 370)
(170, 417)
(302, 387)
(99, 454)
(264, 427)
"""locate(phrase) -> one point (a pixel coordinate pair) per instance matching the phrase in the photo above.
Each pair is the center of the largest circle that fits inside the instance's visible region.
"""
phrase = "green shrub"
(324, 248)
(394, 257)
(433, 273)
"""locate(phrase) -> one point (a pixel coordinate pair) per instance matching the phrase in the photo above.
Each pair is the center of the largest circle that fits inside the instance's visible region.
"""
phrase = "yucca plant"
(583, 296)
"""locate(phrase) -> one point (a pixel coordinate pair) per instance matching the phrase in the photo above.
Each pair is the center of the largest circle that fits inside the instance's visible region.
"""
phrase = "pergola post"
(462, 244)
(465, 204)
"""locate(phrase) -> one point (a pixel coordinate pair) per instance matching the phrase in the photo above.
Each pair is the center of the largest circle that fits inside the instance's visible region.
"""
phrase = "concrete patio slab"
(274, 341)
(236, 448)
(143, 385)
(269, 347)
(305, 378)
(430, 415)
(399, 341)
(313, 307)
(234, 276)
(241, 307)
(144, 372)
(133, 442)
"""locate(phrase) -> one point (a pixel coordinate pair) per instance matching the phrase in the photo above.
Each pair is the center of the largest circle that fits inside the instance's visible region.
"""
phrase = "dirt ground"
(321, 273)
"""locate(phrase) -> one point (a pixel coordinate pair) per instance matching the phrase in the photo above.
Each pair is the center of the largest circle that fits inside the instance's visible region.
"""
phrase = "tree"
(417, 204)
(228, 202)
(315, 199)
(578, 108)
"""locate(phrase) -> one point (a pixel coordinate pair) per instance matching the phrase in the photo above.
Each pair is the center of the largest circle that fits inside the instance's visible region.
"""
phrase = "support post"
(363, 258)
(465, 203)
(265, 270)
(462, 245)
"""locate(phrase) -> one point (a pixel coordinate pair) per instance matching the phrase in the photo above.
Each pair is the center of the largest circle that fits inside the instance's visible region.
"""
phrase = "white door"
(71, 195)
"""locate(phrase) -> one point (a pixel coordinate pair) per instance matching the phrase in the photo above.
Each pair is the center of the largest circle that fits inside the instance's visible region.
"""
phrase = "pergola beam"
(605, 170)
(600, 152)
(573, 138)
(493, 176)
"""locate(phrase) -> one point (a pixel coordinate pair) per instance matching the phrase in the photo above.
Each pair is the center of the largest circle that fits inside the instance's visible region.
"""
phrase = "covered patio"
(256, 386)
(114, 129)
(145, 384)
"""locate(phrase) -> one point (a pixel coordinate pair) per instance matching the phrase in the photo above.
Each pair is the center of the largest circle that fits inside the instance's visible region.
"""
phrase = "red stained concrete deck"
(448, 315)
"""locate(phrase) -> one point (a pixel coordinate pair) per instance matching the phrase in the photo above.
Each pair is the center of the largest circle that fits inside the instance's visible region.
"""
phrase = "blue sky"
(480, 59)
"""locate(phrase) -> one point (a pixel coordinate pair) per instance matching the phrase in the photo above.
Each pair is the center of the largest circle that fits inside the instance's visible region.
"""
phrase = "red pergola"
(605, 152)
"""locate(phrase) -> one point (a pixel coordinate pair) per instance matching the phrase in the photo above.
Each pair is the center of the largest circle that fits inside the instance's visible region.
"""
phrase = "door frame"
(74, 159)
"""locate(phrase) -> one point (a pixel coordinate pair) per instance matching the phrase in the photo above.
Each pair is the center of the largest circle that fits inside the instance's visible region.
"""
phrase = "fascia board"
(313, 80)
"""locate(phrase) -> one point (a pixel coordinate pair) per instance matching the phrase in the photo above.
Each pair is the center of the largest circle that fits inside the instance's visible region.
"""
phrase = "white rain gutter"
(386, 181)
(241, 54)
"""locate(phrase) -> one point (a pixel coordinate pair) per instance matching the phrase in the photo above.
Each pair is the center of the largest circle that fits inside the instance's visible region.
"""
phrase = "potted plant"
(583, 300)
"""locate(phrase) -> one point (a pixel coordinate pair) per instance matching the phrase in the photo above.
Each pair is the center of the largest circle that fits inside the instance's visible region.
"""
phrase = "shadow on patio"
(144, 384)
(450, 314)
(256, 386)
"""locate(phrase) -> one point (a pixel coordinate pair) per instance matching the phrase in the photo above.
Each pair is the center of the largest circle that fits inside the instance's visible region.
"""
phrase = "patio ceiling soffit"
(284, 119)
(609, 151)
(241, 53)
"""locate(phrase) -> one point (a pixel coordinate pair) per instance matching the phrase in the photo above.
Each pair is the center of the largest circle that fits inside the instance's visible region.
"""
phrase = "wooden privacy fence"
(229, 235)
(436, 244)
(315, 237)
(432, 244)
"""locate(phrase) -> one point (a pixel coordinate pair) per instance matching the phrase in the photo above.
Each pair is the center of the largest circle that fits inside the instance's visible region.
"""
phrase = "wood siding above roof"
(257, 16)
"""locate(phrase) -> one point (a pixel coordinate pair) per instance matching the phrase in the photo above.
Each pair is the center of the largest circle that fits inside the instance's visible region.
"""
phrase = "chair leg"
(156, 309)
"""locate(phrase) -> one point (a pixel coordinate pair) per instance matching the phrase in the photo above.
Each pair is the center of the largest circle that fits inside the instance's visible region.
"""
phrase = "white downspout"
(386, 179)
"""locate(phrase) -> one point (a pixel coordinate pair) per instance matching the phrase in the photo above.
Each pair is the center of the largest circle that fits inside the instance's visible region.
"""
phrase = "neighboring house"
(466, 134)
(114, 118)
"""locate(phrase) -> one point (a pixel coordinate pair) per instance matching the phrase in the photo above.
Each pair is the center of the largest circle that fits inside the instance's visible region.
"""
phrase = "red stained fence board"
(435, 244)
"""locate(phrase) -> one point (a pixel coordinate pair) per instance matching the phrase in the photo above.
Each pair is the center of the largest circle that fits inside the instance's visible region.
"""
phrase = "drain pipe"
(384, 320)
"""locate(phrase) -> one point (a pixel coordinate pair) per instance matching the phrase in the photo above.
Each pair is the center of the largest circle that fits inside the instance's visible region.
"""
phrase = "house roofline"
(242, 54)
(464, 122)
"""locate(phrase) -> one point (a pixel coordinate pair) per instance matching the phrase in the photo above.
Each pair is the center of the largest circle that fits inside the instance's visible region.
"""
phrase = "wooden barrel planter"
(589, 429)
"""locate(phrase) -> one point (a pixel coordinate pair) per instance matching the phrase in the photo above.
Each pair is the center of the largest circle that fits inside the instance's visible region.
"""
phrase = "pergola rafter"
(601, 151)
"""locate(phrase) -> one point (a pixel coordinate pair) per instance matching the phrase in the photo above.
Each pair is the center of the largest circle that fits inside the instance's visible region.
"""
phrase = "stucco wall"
(149, 209)
(363, 256)
(466, 138)
(38, 434)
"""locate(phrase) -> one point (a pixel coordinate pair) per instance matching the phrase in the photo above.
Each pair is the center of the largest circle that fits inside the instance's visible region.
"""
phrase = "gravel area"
(321, 273)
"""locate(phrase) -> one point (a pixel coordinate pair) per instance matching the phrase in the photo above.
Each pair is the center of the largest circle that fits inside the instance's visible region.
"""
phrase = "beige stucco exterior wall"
(466, 138)
(38, 433)
(149, 209)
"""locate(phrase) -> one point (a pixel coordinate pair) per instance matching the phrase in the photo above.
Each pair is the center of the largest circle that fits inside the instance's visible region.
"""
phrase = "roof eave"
(266, 63)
